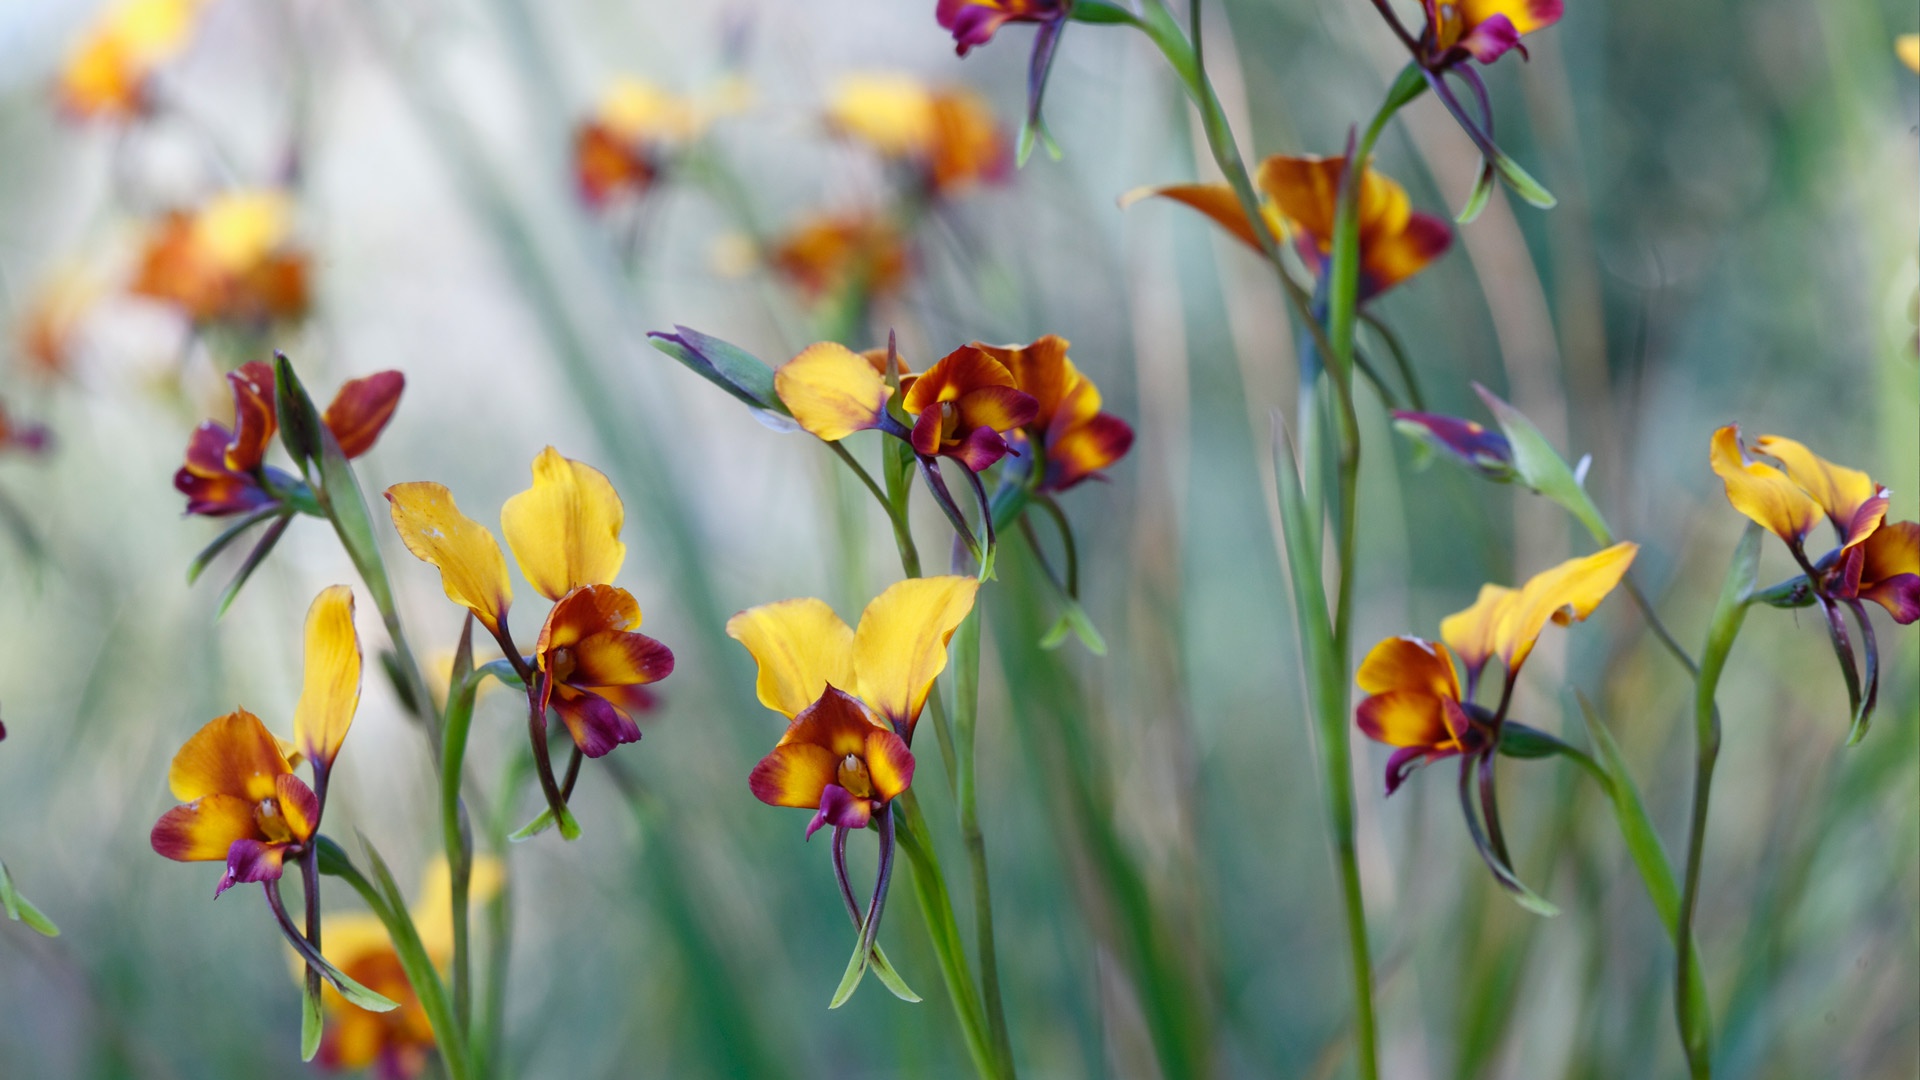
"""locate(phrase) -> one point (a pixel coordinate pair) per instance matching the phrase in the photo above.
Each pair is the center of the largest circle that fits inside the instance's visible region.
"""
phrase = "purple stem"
(884, 819)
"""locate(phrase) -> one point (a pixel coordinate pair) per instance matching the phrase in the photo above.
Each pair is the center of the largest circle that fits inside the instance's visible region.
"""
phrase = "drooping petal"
(472, 570)
(231, 755)
(1890, 570)
(565, 529)
(1853, 502)
(251, 860)
(1216, 201)
(801, 647)
(901, 644)
(1525, 16)
(253, 415)
(794, 774)
(1086, 449)
(1404, 761)
(889, 764)
(981, 448)
(1760, 491)
(331, 691)
(360, 411)
(832, 391)
(1410, 664)
(596, 724)
(841, 809)
(204, 829)
(974, 22)
(1471, 633)
(1567, 593)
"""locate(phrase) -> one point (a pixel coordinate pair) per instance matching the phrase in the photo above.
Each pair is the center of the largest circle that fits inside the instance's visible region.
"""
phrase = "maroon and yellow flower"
(1076, 440)
(829, 255)
(589, 665)
(398, 1043)
(232, 260)
(621, 148)
(974, 22)
(108, 72)
(225, 470)
(1415, 700)
(1480, 29)
(1299, 196)
(946, 135)
(242, 803)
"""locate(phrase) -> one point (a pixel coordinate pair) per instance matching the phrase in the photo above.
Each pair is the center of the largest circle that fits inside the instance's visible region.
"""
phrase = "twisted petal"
(472, 570)
(1853, 502)
(361, 409)
(901, 644)
(253, 415)
(1216, 201)
(832, 391)
(1565, 594)
(331, 691)
(1890, 570)
(1409, 664)
(232, 755)
(204, 829)
(565, 529)
(1760, 491)
(801, 647)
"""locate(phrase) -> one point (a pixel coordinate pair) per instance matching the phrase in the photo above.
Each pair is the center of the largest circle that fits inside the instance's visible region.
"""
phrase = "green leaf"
(387, 902)
(883, 969)
(856, 971)
(1101, 13)
(300, 423)
(1522, 184)
(1539, 466)
(20, 909)
(1478, 197)
(338, 490)
(311, 1021)
(725, 365)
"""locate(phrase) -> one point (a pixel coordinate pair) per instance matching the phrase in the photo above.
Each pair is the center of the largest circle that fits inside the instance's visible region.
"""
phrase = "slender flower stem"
(1728, 613)
(936, 907)
(966, 710)
(454, 830)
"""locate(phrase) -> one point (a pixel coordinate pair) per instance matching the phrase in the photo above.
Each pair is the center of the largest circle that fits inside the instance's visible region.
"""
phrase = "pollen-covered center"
(853, 776)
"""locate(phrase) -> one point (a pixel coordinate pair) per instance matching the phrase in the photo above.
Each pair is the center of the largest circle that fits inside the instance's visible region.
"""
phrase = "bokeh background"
(1735, 241)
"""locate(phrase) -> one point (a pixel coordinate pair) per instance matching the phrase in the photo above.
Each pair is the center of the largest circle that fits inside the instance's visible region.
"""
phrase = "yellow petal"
(1470, 633)
(901, 645)
(832, 391)
(472, 570)
(331, 691)
(1566, 593)
(801, 647)
(565, 529)
(1760, 491)
(1908, 48)
(1216, 201)
(1840, 491)
(232, 755)
(892, 113)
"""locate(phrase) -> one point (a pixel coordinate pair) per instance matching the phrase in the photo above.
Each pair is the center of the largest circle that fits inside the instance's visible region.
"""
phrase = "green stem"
(1695, 1035)
(936, 907)
(490, 1034)
(966, 711)
(455, 834)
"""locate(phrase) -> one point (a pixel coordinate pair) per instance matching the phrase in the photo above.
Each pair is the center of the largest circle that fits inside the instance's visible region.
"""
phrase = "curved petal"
(1406, 718)
(1853, 502)
(1760, 491)
(360, 411)
(1408, 663)
(596, 724)
(832, 391)
(1526, 16)
(583, 613)
(1041, 370)
(472, 570)
(842, 809)
(1565, 594)
(889, 764)
(980, 449)
(1470, 633)
(1216, 201)
(565, 529)
(1890, 571)
(1305, 190)
(1490, 38)
(793, 774)
(901, 644)
(331, 691)
(925, 437)
(619, 658)
(999, 408)
(253, 415)
(251, 860)
(299, 807)
(1086, 449)
(801, 647)
(203, 830)
(231, 755)
(1390, 260)
(957, 374)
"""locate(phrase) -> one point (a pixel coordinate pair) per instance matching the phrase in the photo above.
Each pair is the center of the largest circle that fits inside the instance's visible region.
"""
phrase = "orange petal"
(794, 774)
(253, 415)
(1217, 201)
(832, 391)
(1526, 15)
(801, 647)
(1405, 718)
(837, 723)
(957, 374)
(889, 764)
(1853, 502)
(1408, 663)
(361, 409)
(1041, 370)
(204, 829)
(901, 644)
(1471, 633)
(1306, 189)
(1565, 594)
(331, 692)
(472, 570)
(565, 529)
(1762, 492)
(232, 755)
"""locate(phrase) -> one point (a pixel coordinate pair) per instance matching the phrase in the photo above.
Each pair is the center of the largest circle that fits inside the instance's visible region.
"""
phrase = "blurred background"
(1735, 241)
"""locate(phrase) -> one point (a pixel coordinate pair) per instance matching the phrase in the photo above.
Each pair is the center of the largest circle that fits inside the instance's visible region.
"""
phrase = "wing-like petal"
(801, 647)
(360, 411)
(205, 829)
(331, 691)
(901, 644)
(1762, 492)
(832, 391)
(565, 529)
(472, 569)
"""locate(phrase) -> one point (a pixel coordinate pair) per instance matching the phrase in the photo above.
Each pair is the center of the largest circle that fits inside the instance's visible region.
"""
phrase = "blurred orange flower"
(948, 135)
(618, 150)
(232, 260)
(826, 255)
(51, 323)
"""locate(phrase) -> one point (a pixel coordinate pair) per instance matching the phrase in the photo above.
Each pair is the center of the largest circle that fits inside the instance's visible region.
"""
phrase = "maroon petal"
(251, 860)
(1899, 594)
(1490, 40)
(596, 724)
(980, 449)
(1406, 761)
(842, 809)
(926, 431)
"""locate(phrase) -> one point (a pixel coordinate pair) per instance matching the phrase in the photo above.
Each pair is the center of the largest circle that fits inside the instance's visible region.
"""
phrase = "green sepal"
(1073, 620)
(1792, 593)
(349, 989)
(723, 364)
(1530, 743)
(883, 970)
(856, 971)
(254, 558)
(20, 909)
(1031, 132)
(569, 828)
(1539, 466)
(300, 423)
(1478, 198)
(1523, 184)
(312, 1022)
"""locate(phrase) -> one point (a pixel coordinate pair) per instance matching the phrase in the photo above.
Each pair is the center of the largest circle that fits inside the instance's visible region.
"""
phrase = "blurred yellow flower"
(828, 254)
(619, 149)
(106, 74)
(1908, 48)
(948, 134)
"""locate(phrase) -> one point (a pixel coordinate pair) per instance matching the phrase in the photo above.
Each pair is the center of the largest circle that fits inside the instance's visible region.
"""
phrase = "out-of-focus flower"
(1414, 698)
(52, 321)
(225, 471)
(1488, 453)
(621, 148)
(947, 135)
(1907, 47)
(107, 73)
(1890, 570)
(974, 22)
(23, 438)
(830, 255)
(1299, 196)
(1075, 439)
(233, 260)
(242, 802)
(588, 665)
(395, 1044)
(1482, 30)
